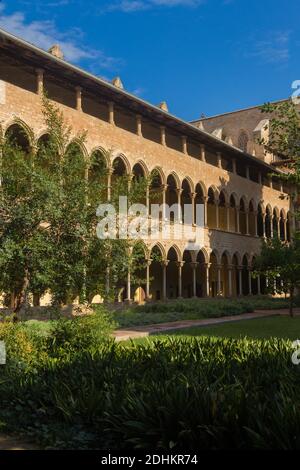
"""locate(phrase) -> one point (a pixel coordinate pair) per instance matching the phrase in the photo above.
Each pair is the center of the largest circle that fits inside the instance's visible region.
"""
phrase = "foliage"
(192, 309)
(48, 220)
(281, 261)
(284, 135)
(179, 393)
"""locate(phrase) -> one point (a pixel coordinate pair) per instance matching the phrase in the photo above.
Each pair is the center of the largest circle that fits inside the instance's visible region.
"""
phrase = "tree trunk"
(21, 298)
(291, 302)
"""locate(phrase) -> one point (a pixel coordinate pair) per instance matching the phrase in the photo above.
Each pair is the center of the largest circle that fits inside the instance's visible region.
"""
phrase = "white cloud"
(44, 34)
(272, 49)
(128, 6)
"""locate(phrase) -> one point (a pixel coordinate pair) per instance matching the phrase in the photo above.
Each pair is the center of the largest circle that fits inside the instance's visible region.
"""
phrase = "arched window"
(243, 141)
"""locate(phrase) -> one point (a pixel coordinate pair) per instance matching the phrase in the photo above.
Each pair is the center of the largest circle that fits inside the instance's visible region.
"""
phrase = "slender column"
(148, 200)
(228, 217)
(240, 291)
(128, 299)
(271, 226)
(230, 281)
(202, 153)
(194, 267)
(111, 113)
(193, 197)
(148, 263)
(110, 171)
(234, 166)
(217, 214)
(264, 224)
(259, 178)
(285, 229)
(139, 125)
(39, 81)
(184, 143)
(278, 227)
(179, 192)
(237, 214)
(78, 98)
(247, 222)
(219, 292)
(107, 283)
(271, 183)
(180, 265)
(247, 172)
(163, 135)
(219, 158)
(255, 223)
(207, 266)
(205, 198)
(258, 285)
(164, 191)
(249, 281)
(164, 266)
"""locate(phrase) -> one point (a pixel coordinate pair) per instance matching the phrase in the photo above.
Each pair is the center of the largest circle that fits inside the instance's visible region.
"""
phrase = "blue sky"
(201, 56)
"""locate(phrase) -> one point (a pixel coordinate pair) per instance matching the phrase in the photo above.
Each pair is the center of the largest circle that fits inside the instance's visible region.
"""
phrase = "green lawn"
(263, 328)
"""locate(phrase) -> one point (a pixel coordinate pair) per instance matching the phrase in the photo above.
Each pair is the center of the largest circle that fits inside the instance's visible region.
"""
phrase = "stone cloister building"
(242, 203)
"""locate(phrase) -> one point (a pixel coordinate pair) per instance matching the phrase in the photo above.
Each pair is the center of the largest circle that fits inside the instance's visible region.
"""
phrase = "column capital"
(194, 264)
(165, 262)
(180, 264)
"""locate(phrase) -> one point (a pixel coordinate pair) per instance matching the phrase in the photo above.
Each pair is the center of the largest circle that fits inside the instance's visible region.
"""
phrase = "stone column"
(229, 269)
(193, 197)
(128, 299)
(184, 143)
(148, 263)
(255, 224)
(163, 135)
(109, 174)
(247, 222)
(247, 172)
(39, 81)
(148, 200)
(228, 217)
(164, 266)
(258, 285)
(139, 125)
(237, 215)
(240, 290)
(271, 226)
(264, 224)
(219, 291)
(202, 153)
(164, 190)
(205, 198)
(217, 214)
(179, 192)
(234, 166)
(219, 158)
(194, 267)
(207, 266)
(259, 178)
(78, 98)
(249, 281)
(285, 229)
(111, 113)
(180, 265)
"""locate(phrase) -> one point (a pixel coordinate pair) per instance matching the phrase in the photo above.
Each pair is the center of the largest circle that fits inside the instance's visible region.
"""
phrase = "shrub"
(80, 334)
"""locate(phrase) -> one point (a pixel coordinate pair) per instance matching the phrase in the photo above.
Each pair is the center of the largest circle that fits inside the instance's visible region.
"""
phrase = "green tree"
(280, 261)
(48, 221)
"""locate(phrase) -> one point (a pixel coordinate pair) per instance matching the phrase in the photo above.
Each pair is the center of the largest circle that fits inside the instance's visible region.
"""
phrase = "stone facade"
(241, 203)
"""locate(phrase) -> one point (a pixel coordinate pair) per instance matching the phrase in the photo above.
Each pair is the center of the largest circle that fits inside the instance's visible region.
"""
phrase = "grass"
(261, 328)
(193, 309)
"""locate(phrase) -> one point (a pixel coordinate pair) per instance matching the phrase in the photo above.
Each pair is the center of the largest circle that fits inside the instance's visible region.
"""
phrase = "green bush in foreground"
(179, 393)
